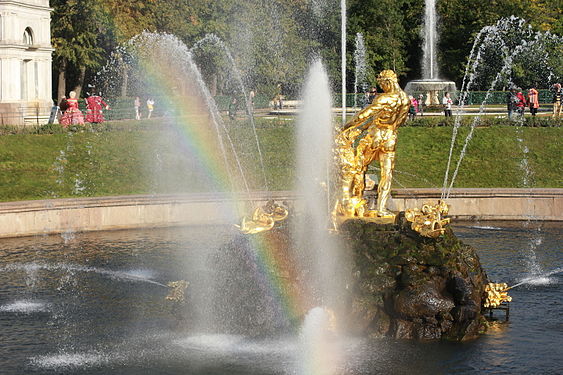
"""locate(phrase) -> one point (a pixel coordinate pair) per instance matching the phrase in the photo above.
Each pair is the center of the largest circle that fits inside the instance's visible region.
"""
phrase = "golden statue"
(263, 218)
(370, 135)
(429, 221)
(496, 295)
(177, 291)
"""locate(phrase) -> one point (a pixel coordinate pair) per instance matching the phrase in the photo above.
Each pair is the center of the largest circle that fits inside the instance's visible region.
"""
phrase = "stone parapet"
(489, 204)
(52, 216)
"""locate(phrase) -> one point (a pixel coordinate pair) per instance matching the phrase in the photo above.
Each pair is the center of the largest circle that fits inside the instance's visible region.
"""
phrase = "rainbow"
(162, 71)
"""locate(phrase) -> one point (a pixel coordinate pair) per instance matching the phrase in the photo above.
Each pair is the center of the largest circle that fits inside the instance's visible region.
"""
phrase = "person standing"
(533, 100)
(421, 104)
(94, 109)
(137, 108)
(413, 107)
(150, 107)
(233, 108)
(447, 102)
(72, 115)
(520, 103)
(557, 100)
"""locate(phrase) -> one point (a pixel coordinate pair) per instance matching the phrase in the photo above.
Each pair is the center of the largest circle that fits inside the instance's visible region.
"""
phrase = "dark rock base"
(412, 287)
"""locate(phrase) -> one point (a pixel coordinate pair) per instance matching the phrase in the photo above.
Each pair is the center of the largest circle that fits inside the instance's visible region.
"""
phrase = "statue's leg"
(386, 163)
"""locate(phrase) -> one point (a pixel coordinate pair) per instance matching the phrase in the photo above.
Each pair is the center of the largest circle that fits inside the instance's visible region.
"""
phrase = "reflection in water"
(90, 305)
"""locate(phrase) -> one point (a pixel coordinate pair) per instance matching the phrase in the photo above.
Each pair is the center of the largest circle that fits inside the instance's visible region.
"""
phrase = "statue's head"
(387, 79)
(72, 94)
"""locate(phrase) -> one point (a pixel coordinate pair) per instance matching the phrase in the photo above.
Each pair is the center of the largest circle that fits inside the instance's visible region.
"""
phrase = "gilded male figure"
(370, 135)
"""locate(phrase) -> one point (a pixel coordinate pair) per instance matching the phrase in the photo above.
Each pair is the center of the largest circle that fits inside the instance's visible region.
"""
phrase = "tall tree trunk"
(81, 76)
(61, 85)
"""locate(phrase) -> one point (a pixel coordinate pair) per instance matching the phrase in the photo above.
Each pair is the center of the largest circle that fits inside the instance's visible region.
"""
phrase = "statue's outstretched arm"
(365, 114)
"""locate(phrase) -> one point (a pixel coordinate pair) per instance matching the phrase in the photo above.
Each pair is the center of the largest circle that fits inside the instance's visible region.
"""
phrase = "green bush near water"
(122, 158)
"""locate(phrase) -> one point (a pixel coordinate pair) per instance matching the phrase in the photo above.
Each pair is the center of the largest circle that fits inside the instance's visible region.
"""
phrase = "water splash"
(156, 63)
(314, 160)
(68, 236)
(540, 279)
(216, 41)
(360, 77)
(320, 351)
(132, 275)
(66, 360)
(25, 307)
(343, 22)
(501, 45)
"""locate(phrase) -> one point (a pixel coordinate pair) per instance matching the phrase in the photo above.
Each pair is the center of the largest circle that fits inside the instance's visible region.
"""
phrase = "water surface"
(93, 304)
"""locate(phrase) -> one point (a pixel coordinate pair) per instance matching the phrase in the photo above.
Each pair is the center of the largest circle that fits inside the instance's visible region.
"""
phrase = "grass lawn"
(140, 158)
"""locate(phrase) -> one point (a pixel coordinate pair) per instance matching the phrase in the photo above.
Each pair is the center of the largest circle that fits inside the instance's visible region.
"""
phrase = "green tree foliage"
(273, 41)
(461, 21)
(391, 30)
(75, 26)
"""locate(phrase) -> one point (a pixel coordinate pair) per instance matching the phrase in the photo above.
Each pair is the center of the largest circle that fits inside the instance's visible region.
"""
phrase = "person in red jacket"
(533, 100)
(521, 103)
(94, 106)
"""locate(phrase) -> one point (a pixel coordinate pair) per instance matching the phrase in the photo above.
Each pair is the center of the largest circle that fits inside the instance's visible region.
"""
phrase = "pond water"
(93, 303)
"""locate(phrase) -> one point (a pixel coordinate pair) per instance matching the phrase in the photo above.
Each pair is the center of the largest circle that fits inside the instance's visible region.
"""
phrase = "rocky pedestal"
(411, 287)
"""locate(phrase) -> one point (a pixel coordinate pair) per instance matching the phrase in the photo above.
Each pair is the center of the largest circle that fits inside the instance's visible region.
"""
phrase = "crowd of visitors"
(517, 101)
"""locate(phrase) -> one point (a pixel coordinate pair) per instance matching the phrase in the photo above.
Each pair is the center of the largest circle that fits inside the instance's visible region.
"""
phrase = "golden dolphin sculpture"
(429, 220)
(263, 218)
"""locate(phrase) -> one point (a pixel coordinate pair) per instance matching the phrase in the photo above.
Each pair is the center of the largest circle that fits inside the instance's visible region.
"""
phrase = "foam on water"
(25, 307)
(234, 344)
(66, 360)
(211, 342)
(486, 227)
(319, 348)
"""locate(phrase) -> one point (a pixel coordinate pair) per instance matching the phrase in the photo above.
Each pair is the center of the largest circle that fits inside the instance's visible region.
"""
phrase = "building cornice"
(26, 48)
(24, 5)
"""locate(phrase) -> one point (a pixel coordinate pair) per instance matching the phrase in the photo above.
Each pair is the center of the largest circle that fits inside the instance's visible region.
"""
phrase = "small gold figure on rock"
(370, 135)
(429, 220)
(497, 293)
(177, 291)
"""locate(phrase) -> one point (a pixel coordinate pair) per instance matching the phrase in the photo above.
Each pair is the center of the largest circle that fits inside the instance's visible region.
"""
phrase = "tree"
(74, 37)
(390, 29)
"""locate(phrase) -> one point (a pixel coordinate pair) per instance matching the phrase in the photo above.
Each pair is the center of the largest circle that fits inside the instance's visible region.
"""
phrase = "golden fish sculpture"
(263, 218)
(429, 220)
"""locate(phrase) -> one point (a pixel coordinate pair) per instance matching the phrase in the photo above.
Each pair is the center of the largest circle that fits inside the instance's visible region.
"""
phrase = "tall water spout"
(430, 37)
(343, 56)
(360, 81)
(317, 247)
(314, 160)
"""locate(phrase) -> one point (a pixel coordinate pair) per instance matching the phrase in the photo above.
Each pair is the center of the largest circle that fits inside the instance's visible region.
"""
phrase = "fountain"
(360, 76)
(279, 294)
(431, 83)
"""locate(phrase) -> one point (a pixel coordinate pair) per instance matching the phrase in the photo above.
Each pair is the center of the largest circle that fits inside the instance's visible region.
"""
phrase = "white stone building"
(25, 61)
